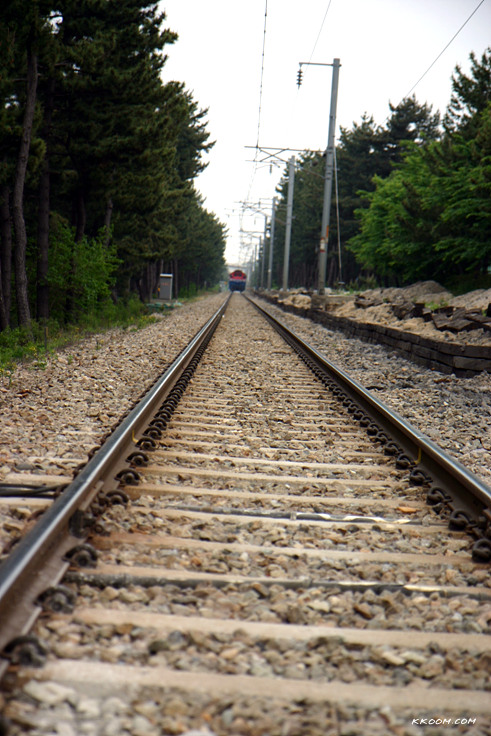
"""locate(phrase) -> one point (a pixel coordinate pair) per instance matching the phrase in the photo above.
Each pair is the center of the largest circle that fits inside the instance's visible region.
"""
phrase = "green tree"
(364, 152)
(360, 156)
(470, 95)
(25, 28)
(431, 218)
(91, 137)
(409, 121)
(464, 231)
(397, 234)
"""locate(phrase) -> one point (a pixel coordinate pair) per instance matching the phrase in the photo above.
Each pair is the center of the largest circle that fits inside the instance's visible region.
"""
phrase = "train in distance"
(237, 280)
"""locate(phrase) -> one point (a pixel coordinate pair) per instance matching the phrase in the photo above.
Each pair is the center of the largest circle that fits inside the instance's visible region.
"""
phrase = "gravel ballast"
(54, 415)
(453, 412)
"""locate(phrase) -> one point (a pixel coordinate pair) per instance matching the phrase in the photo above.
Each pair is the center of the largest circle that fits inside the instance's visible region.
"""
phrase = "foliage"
(41, 342)
(365, 151)
(113, 154)
(82, 271)
(470, 95)
(397, 228)
(431, 217)
(414, 200)
(306, 224)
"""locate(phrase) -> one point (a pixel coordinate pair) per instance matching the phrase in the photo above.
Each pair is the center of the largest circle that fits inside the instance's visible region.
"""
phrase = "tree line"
(413, 195)
(98, 156)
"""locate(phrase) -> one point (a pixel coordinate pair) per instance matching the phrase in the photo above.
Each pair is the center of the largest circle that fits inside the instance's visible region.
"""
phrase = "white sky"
(384, 47)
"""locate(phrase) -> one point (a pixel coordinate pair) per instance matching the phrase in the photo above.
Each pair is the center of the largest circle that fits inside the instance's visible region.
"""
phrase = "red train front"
(237, 280)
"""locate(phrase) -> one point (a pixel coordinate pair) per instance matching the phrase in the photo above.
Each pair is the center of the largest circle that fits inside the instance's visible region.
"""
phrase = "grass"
(20, 345)
(35, 346)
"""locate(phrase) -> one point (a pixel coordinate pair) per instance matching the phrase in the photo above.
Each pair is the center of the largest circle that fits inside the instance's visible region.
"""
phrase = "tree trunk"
(80, 215)
(23, 311)
(107, 220)
(80, 218)
(42, 288)
(42, 294)
(175, 271)
(332, 272)
(5, 256)
(141, 288)
(156, 271)
(3, 314)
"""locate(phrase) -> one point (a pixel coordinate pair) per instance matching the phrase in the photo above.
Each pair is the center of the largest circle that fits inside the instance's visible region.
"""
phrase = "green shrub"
(80, 274)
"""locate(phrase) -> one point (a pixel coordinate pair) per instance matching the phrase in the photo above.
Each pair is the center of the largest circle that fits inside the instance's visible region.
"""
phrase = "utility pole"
(289, 217)
(260, 266)
(328, 179)
(254, 266)
(263, 253)
(271, 243)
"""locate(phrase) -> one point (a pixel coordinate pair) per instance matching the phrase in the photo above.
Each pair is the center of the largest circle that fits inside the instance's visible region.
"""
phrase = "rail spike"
(83, 555)
(59, 599)
(481, 550)
(26, 651)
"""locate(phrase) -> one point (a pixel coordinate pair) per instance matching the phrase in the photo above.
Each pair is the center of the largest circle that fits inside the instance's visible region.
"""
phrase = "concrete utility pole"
(260, 265)
(263, 252)
(271, 243)
(289, 217)
(255, 268)
(328, 179)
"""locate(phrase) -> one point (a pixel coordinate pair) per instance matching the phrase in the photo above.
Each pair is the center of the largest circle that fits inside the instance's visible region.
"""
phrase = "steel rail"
(37, 561)
(469, 493)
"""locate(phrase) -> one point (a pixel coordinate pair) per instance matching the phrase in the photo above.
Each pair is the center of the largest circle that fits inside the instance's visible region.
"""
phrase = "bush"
(80, 274)
(20, 344)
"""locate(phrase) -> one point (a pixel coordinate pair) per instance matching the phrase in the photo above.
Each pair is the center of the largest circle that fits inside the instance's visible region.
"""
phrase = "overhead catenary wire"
(294, 105)
(320, 30)
(263, 54)
(256, 162)
(257, 147)
(444, 49)
(262, 73)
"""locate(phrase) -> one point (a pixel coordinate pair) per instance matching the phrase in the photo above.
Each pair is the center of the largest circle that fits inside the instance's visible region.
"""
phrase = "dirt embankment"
(425, 308)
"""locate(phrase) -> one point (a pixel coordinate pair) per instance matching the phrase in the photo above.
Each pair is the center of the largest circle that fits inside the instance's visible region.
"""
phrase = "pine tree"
(470, 95)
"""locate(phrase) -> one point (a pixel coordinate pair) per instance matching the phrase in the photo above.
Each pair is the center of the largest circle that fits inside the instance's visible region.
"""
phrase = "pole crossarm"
(274, 153)
(314, 63)
(255, 207)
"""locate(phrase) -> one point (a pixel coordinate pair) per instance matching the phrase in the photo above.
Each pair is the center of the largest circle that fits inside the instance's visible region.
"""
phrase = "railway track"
(258, 549)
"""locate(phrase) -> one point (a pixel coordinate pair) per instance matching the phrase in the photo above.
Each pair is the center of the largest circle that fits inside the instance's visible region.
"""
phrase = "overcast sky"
(385, 46)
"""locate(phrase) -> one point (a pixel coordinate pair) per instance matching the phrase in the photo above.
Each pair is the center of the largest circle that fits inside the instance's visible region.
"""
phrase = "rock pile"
(431, 303)
(425, 308)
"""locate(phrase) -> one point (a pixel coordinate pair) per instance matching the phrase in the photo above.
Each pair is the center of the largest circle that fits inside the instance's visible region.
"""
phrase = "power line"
(253, 175)
(320, 30)
(262, 73)
(443, 51)
(257, 147)
(294, 105)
